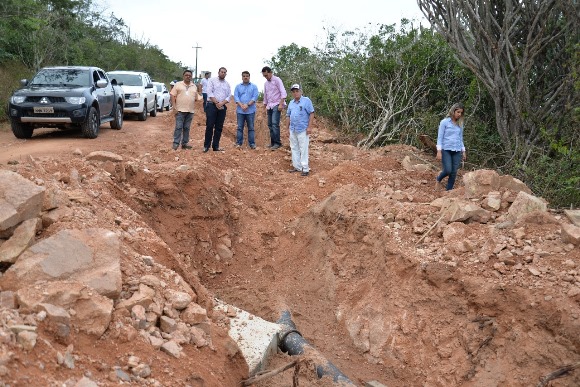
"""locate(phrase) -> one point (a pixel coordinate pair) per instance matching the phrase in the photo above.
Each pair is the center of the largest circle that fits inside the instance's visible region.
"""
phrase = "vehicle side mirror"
(23, 82)
(149, 86)
(102, 83)
(165, 92)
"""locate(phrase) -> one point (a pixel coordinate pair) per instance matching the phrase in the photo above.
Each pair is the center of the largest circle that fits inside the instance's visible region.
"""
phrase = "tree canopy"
(39, 33)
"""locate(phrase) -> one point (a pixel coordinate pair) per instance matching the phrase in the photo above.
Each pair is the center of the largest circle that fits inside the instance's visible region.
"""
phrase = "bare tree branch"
(504, 44)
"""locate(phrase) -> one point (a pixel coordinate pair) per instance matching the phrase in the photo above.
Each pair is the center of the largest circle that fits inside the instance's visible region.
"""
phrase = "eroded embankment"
(380, 291)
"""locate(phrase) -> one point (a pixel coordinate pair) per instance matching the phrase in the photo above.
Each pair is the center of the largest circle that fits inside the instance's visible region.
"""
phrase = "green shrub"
(11, 72)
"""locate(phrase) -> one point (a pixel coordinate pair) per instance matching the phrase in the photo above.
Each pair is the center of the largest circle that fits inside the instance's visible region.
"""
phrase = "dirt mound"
(358, 252)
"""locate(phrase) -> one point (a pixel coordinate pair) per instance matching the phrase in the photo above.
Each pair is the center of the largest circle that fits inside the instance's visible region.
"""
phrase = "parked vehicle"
(140, 95)
(64, 97)
(163, 98)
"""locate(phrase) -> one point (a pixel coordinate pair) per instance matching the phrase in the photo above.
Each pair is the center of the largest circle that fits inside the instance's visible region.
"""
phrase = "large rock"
(194, 314)
(480, 182)
(571, 234)
(92, 311)
(91, 257)
(22, 238)
(20, 199)
(144, 297)
(104, 156)
(58, 214)
(493, 201)
(460, 211)
(524, 204)
(574, 216)
(454, 231)
(54, 198)
(512, 184)
(178, 300)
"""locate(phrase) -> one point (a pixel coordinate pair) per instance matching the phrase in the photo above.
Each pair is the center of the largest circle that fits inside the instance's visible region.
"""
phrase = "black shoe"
(186, 146)
(252, 146)
(219, 150)
(294, 170)
(274, 147)
(174, 147)
(304, 173)
(205, 150)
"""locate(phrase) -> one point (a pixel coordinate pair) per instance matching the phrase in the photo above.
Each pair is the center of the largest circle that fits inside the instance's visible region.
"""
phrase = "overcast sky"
(242, 35)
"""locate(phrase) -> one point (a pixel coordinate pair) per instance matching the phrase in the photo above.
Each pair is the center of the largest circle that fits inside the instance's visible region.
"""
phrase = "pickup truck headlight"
(134, 96)
(75, 100)
(16, 99)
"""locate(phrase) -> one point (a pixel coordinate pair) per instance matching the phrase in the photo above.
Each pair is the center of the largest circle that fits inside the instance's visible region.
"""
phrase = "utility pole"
(196, 48)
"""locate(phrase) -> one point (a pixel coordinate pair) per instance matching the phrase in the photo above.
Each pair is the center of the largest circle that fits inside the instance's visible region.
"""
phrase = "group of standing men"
(216, 95)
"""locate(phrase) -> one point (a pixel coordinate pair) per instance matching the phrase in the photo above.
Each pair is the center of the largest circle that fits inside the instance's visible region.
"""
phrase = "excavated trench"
(346, 263)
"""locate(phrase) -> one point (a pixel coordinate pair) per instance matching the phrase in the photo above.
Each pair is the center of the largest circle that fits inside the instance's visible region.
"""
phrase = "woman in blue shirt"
(450, 148)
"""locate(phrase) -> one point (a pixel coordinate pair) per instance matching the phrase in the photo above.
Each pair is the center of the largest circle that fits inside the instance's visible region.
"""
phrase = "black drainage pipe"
(291, 341)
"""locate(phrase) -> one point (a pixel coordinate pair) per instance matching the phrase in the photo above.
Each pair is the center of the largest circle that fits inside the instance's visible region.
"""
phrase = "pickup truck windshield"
(127, 79)
(62, 77)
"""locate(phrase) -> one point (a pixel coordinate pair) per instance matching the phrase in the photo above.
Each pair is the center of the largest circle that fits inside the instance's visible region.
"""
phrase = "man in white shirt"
(204, 88)
(218, 95)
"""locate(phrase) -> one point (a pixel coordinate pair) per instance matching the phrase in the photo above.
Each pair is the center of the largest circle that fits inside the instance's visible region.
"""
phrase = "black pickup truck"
(65, 97)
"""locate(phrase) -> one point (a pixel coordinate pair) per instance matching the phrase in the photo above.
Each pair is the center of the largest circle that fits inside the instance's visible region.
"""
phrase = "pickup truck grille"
(50, 99)
(131, 105)
(31, 113)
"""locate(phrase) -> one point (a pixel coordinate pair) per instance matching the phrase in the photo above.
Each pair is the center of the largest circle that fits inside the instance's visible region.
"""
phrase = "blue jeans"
(274, 126)
(204, 100)
(214, 123)
(182, 124)
(450, 161)
(249, 119)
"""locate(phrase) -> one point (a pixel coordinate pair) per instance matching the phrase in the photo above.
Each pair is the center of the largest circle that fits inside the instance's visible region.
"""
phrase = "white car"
(140, 95)
(163, 99)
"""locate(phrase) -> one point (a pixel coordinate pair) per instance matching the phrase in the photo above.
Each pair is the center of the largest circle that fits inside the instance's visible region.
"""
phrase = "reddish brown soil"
(362, 290)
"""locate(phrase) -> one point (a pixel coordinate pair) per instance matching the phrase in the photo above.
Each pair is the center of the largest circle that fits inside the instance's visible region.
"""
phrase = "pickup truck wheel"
(162, 106)
(90, 127)
(21, 130)
(167, 107)
(154, 111)
(143, 115)
(117, 123)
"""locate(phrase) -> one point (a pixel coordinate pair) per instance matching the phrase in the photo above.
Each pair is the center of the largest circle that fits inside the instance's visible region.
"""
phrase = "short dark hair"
(266, 69)
(222, 68)
(187, 71)
(245, 72)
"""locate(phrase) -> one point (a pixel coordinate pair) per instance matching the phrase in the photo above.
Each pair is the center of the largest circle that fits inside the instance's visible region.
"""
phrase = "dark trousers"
(204, 100)
(274, 126)
(214, 123)
(450, 161)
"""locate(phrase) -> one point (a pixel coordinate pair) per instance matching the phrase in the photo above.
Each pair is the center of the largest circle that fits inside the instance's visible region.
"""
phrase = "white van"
(140, 95)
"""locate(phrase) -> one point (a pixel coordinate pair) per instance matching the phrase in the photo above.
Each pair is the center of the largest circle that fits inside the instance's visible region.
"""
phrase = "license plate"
(43, 109)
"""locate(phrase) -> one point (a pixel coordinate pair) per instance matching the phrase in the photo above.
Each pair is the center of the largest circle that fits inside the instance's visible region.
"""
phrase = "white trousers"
(299, 145)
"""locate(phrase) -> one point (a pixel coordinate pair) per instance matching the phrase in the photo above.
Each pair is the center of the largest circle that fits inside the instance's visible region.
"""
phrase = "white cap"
(295, 86)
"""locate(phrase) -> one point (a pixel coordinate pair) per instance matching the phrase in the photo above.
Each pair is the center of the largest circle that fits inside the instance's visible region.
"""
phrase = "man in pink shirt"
(275, 101)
